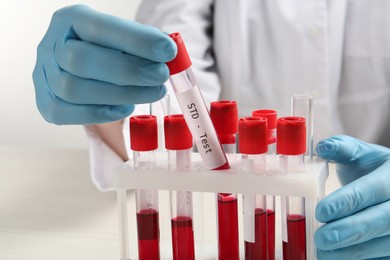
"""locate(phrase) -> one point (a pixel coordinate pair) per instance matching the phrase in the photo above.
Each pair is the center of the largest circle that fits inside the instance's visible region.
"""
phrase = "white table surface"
(49, 208)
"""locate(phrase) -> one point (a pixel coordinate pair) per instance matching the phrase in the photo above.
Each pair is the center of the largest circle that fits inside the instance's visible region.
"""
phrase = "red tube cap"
(176, 132)
(252, 133)
(224, 115)
(182, 60)
(143, 133)
(270, 114)
(291, 135)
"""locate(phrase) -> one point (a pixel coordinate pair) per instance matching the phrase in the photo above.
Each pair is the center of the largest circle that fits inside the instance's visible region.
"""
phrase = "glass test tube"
(291, 147)
(143, 139)
(194, 108)
(178, 142)
(302, 106)
(224, 115)
(271, 116)
(253, 145)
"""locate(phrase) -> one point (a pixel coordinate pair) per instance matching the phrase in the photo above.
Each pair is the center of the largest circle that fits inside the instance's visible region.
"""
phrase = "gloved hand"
(92, 67)
(358, 214)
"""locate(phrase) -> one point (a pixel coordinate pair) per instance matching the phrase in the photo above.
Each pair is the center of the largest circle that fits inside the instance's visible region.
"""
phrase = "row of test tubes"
(214, 135)
(258, 134)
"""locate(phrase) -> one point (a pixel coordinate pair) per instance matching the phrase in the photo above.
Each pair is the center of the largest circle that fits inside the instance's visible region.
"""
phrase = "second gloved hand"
(357, 216)
(92, 67)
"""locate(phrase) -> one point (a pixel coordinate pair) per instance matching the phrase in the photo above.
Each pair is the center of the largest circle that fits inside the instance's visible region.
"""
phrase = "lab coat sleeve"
(102, 160)
(194, 21)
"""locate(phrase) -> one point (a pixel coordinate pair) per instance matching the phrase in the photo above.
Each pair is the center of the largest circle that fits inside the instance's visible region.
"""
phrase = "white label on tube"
(249, 201)
(201, 127)
(283, 203)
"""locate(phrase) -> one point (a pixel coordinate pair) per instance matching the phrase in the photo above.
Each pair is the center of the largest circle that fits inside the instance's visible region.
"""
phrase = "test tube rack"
(309, 184)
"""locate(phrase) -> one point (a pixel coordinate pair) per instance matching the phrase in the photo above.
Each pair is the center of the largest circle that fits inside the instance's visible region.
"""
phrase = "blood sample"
(295, 248)
(228, 247)
(271, 116)
(258, 249)
(253, 145)
(179, 159)
(291, 147)
(148, 234)
(183, 238)
(224, 115)
(271, 230)
(143, 140)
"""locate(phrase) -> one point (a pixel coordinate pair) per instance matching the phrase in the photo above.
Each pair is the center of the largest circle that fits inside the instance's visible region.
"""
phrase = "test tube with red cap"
(253, 146)
(143, 140)
(224, 115)
(178, 142)
(291, 147)
(194, 108)
(271, 116)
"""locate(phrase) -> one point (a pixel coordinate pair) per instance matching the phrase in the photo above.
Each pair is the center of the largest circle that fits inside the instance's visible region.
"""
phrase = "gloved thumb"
(353, 157)
(340, 149)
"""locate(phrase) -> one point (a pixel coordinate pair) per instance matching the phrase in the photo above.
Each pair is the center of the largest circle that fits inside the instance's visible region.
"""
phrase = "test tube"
(178, 142)
(143, 140)
(271, 116)
(302, 106)
(291, 147)
(253, 145)
(194, 108)
(224, 115)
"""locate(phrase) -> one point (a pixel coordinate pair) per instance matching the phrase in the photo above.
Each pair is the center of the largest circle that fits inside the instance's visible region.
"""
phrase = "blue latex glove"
(92, 67)
(358, 214)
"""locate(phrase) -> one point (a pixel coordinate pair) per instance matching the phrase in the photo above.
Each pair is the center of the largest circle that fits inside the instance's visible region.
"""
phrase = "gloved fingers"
(60, 112)
(377, 248)
(364, 192)
(343, 149)
(354, 158)
(91, 61)
(356, 229)
(114, 32)
(83, 91)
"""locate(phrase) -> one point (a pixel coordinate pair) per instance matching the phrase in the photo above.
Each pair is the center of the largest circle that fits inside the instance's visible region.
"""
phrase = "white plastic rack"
(309, 184)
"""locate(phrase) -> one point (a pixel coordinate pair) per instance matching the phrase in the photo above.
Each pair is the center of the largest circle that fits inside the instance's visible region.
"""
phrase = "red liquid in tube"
(295, 248)
(228, 235)
(271, 234)
(183, 237)
(148, 234)
(258, 249)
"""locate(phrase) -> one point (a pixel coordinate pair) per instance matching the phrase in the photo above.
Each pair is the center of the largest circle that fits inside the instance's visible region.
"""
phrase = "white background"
(23, 24)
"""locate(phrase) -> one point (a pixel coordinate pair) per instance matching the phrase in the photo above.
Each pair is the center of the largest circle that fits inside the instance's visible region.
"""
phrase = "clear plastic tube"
(179, 159)
(253, 146)
(228, 246)
(181, 211)
(255, 213)
(291, 147)
(194, 109)
(143, 138)
(224, 115)
(147, 211)
(294, 244)
(271, 116)
(302, 106)
(123, 225)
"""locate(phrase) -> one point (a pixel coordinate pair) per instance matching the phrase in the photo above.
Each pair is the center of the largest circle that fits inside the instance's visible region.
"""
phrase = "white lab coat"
(260, 52)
